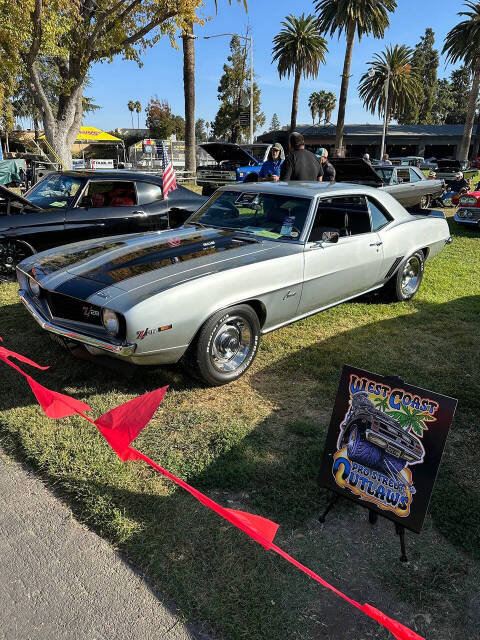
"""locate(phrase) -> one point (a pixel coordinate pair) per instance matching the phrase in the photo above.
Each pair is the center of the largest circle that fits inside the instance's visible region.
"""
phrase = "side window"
(148, 192)
(404, 174)
(348, 215)
(414, 177)
(379, 216)
(106, 193)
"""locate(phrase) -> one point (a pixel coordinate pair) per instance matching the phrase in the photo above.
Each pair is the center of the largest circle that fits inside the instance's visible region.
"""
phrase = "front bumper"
(121, 349)
(463, 219)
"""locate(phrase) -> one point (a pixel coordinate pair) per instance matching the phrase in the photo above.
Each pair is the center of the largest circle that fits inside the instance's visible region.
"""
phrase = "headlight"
(469, 214)
(110, 322)
(34, 287)
(468, 200)
(462, 214)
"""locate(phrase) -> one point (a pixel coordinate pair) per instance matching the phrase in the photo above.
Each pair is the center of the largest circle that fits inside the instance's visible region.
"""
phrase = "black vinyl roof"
(120, 174)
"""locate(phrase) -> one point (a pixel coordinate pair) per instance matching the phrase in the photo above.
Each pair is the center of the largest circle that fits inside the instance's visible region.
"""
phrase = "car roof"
(299, 188)
(119, 174)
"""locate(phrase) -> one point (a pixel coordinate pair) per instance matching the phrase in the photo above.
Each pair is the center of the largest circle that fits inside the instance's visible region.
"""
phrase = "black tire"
(402, 286)
(225, 347)
(11, 253)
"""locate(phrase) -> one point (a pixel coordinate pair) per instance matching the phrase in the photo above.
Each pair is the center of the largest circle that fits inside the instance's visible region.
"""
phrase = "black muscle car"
(69, 206)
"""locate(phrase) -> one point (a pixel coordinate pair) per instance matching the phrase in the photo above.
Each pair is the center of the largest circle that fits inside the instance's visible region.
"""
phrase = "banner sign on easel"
(385, 443)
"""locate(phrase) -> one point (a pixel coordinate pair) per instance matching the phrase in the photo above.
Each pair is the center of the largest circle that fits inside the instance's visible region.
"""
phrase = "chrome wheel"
(231, 344)
(424, 202)
(411, 276)
(11, 253)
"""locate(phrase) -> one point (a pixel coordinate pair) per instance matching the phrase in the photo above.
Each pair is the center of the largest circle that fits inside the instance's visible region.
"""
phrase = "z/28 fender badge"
(150, 332)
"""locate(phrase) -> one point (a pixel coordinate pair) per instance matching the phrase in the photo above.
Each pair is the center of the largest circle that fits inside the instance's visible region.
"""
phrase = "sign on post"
(384, 445)
(244, 118)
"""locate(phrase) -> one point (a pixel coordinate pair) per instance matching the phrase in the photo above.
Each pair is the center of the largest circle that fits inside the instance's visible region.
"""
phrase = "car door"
(154, 207)
(354, 264)
(41, 229)
(419, 185)
(105, 208)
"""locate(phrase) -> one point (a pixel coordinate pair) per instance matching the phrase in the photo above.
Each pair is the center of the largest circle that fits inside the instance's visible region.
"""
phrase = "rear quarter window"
(149, 192)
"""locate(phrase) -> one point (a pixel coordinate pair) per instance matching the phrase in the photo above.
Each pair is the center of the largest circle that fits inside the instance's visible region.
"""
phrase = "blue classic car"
(233, 163)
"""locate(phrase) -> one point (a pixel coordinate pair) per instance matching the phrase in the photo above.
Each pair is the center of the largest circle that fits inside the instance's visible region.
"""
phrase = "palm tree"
(298, 49)
(403, 83)
(330, 102)
(313, 104)
(138, 108)
(131, 108)
(352, 16)
(463, 43)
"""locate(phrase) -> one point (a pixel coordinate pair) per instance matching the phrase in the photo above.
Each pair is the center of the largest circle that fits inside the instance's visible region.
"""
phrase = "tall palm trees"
(131, 108)
(298, 49)
(463, 43)
(352, 16)
(321, 104)
(393, 64)
(138, 109)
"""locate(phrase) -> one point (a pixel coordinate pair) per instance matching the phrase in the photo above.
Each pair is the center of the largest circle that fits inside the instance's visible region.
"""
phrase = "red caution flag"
(54, 404)
(400, 631)
(266, 528)
(121, 425)
(6, 354)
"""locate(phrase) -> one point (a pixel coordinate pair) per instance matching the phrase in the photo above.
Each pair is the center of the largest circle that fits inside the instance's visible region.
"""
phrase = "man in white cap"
(455, 187)
(366, 157)
(328, 168)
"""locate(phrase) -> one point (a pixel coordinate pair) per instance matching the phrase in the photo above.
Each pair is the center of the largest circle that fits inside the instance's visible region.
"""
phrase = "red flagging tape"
(121, 426)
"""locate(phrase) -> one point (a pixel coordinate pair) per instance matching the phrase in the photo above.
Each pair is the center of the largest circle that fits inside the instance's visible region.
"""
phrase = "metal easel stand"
(372, 518)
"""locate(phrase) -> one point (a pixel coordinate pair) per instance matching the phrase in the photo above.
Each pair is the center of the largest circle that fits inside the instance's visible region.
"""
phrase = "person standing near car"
(300, 164)
(327, 166)
(270, 170)
(455, 187)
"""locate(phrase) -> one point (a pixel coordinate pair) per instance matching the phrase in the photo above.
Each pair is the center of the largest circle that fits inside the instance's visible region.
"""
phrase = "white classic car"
(253, 258)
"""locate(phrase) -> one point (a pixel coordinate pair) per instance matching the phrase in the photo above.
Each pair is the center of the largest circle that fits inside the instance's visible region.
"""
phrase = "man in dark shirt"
(300, 164)
(455, 187)
(328, 168)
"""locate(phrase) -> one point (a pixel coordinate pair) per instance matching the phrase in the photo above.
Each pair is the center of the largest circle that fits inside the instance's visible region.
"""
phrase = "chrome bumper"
(461, 220)
(125, 349)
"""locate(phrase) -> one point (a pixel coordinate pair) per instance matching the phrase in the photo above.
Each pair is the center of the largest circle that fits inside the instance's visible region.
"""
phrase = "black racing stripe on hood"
(141, 261)
(81, 288)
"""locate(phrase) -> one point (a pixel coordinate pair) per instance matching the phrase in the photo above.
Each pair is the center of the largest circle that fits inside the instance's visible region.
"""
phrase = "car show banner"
(384, 445)
(121, 425)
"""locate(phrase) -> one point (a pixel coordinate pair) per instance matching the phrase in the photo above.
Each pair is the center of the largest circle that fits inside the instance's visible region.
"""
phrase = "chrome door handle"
(375, 244)
(139, 213)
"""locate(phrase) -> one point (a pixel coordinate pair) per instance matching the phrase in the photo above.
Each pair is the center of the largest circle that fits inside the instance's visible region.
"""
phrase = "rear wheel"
(226, 346)
(11, 253)
(407, 280)
(425, 202)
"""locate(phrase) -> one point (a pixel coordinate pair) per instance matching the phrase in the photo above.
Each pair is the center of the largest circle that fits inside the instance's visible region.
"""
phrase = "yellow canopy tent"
(93, 135)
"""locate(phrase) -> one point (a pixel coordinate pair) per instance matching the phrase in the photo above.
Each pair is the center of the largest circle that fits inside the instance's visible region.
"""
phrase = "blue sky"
(114, 84)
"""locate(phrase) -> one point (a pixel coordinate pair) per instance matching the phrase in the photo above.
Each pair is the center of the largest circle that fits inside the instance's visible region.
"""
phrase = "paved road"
(59, 581)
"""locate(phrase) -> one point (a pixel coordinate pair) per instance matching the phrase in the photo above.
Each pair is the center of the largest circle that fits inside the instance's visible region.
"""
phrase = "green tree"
(403, 84)
(425, 63)
(314, 104)
(362, 17)
(138, 109)
(78, 34)
(451, 97)
(462, 43)
(298, 50)
(232, 92)
(161, 122)
(275, 124)
(200, 130)
(131, 108)
(329, 104)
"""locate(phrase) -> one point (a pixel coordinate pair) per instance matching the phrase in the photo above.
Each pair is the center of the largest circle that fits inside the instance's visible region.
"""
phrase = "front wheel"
(425, 202)
(11, 253)
(226, 345)
(407, 280)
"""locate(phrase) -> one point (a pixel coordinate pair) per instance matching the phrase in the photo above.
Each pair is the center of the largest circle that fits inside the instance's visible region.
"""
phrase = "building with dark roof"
(424, 140)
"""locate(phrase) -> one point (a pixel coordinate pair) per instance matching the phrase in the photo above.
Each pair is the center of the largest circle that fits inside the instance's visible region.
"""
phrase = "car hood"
(228, 152)
(125, 263)
(355, 170)
(9, 195)
(450, 164)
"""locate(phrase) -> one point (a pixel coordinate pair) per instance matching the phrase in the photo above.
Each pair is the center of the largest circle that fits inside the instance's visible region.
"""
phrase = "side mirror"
(330, 236)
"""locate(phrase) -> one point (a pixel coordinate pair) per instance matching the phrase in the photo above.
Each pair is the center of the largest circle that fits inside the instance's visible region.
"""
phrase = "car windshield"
(56, 190)
(269, 215)
(255, 150)
(385, 173)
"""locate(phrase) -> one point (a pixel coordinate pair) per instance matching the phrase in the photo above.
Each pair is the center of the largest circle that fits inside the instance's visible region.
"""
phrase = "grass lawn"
(256, 445)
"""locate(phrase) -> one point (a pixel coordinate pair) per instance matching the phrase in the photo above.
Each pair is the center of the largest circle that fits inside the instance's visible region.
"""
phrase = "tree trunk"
(296, 90)
(63, 130)
(7, 144)
(342, 102)
(189, 94)
(35, 128)
(462, 155)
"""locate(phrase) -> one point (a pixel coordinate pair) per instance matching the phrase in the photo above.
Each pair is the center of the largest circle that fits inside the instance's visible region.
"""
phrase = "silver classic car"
(253, 258)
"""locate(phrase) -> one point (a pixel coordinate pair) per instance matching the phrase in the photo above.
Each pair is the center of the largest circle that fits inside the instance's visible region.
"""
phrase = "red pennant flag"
(121, 425)
(5, 354)
(263, 526)
(399, 630)
(54, 404)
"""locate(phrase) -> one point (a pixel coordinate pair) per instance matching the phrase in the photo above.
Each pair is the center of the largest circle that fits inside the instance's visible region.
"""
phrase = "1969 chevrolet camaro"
(253, 258)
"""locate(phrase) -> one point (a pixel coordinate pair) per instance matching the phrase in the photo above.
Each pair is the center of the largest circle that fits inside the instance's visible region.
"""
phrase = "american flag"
(169, 180)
